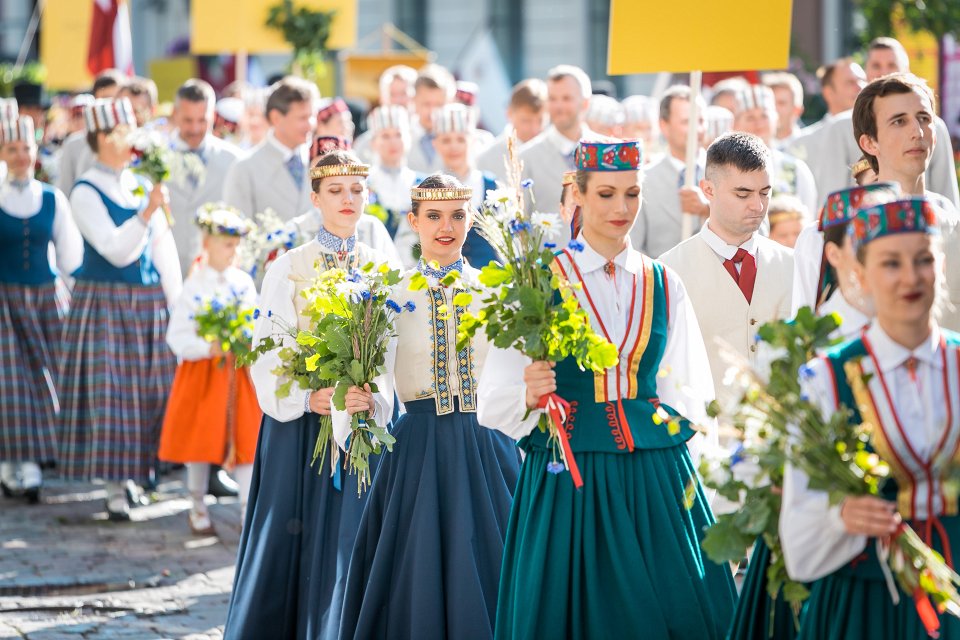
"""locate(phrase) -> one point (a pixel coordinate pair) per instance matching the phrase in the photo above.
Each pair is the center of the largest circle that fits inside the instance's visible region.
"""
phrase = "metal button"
(753, 321)
(753, 347)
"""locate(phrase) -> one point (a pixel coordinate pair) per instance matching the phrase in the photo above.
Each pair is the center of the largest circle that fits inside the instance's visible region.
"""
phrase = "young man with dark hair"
(659, 225)
(276, 173)
(736, 278)
(884, 56)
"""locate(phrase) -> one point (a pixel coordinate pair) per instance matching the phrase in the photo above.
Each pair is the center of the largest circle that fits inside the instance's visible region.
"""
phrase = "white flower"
(549, 223)
(351, 290)
(495, 198)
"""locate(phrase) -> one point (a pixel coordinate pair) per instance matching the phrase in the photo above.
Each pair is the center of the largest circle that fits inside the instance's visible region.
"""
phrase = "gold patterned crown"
(331, 170)
(422, 194)
(859, 167)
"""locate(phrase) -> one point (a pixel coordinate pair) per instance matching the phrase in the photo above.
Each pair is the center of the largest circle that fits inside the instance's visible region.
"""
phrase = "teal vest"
(614, 412)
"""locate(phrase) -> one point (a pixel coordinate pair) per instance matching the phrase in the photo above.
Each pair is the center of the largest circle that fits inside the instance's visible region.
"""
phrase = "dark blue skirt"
(427, 558)
(758, 616)
(296, 542)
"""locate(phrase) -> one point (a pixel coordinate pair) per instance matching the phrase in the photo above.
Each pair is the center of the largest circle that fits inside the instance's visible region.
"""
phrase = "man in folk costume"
(33, 215)
(116, 368)
(75, 155)
(276, 173)
(526, 115)
(547, 156)
(193, 113)
(756, 113)
(434, 88)
(665, 199)
(736, 278)
(886, 56)
(840, 83)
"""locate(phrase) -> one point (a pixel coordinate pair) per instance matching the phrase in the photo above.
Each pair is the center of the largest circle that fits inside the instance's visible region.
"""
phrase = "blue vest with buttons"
(96, 268)
(24, 244)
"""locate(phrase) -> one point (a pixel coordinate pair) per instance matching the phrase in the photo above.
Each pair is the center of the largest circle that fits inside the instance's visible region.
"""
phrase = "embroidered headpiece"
(436, 194)
(841, 205)
(466, 92)
(909, 215)
(623, 155)
(78, 102)
(17, 130)
(108, 113)
(324, 144)
(8, 109)
(454, 118)
(391, 116)
(331, 170)
(330, 107)
(220, 219)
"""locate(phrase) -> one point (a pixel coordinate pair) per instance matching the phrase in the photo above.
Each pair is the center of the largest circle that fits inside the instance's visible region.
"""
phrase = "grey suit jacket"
(660, 223)
(76, 156)
(186, 198)
(261, 181)
(544, 163)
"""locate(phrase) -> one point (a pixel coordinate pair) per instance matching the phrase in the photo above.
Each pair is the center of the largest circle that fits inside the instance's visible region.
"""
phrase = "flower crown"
(219, 219)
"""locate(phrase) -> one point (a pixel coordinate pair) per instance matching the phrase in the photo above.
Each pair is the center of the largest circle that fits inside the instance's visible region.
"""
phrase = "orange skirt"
(195, 427)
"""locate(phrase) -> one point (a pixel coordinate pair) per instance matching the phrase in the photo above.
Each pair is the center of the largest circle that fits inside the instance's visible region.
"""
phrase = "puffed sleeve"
(182, 331)
(120, 245)
(684, 381)
(502, 394)
(383, 399)
(815, 542)
(277, 312)
(67, 241)
(807, 254)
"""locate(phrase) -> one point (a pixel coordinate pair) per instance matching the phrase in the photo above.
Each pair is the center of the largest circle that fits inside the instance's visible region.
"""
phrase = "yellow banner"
(64, 41)
(228, 26)
(170, 73)
(650, 36)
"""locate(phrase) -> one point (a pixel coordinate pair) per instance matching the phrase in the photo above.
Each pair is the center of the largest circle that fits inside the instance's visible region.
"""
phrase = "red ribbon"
(554, 411)
(928, 615)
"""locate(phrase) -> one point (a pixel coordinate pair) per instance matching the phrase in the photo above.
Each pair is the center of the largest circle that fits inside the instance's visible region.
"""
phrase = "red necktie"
(748, 272)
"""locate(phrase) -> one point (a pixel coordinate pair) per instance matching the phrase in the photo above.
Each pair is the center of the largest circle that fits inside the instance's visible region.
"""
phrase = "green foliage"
(307, 31)
(10, 76)
(227, 322)
(939, 17)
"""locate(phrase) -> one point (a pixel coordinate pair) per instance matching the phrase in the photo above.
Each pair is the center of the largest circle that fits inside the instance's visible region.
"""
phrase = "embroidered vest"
(614, 411)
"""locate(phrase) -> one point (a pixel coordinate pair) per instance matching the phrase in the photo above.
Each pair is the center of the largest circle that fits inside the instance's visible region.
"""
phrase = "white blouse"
(684, 381)
(25, 203)
(815, 542)
(205, 282)
(123, 245)
(807, 254)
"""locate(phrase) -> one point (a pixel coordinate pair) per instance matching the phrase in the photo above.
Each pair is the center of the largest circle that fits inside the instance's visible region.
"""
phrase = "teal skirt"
(847, 606)
(758, 616)
(620, 558)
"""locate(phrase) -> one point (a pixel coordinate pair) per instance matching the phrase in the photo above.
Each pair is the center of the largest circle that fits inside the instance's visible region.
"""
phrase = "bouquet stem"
(557, 410)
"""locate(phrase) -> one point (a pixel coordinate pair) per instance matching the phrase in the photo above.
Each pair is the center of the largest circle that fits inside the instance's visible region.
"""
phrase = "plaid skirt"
(116, 372)
(30, 323)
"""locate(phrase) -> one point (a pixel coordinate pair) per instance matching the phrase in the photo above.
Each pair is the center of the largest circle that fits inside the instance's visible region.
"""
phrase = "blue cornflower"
(355, 276)
(365, 295)
(550, 245)
(737, 456)
(288, 245)
(197, 299)
(393, 306)
(555, 467)
(256, 313)
(270, 237)
(526, 184)
(248, 317)
(247, 333)
(253, 271)
(805, 371)
(269, 313)
(216, 305)
(409, 306)
(575, 245)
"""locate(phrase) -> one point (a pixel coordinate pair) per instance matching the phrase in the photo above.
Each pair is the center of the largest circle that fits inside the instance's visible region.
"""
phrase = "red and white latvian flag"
(110, 43)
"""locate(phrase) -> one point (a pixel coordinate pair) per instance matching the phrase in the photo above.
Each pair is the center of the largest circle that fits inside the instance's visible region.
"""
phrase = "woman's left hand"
(358, 399)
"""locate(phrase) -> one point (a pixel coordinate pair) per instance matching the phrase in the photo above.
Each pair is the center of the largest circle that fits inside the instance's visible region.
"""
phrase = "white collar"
(562, 142)
(853, 320)
(179, 144)
(890, 354)
(286, 151)
(589, 260)
(720, 246)
(681, 165)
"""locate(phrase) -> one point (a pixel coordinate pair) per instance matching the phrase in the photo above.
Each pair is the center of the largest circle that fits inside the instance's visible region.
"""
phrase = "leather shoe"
(221, 485)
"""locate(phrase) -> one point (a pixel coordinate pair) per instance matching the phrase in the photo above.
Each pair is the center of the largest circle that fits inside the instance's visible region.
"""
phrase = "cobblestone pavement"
(68, 573)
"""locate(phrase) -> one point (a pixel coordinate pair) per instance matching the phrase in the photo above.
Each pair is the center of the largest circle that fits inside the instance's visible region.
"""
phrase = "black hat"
(29, 94)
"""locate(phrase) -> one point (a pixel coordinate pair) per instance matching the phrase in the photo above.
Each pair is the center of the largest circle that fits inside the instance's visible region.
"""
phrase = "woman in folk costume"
(32, 216)
(901, 378)
(212, 414)
(620, 557)
(116, 367)
(838, 292)
(301, 522)
(390, 177)
(454, 129)
(438, 509)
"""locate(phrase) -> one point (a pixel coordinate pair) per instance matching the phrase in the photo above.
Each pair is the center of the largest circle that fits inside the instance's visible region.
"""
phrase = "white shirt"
(562, 142)
(684, 381)
(852, 319)
(814, 540)
(370, 231)
(123, 245)
(204, 283)
(726, 251)
(25, 203)
(287, 152)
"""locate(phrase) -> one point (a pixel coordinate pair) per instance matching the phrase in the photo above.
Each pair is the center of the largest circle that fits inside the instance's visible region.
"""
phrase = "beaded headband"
(219, 219)
(841, 205)
(625, 155)
(859, 167)
(333, 170)
(910, 215)
(436, 194)
(569, 177)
